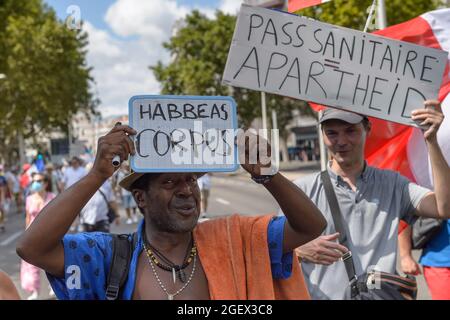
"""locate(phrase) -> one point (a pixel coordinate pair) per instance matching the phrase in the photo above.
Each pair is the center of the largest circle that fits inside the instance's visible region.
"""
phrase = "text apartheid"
(302, 58)
(183, 133)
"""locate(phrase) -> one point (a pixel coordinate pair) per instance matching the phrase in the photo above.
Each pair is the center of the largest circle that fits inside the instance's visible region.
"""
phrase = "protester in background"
(128, 202)
(435, 260)
(38, 199)
(94, 215)
(74, 173)
(8, 290)
(371, 202)
(25, 179)
(59, 177)
(204, 183)
(54, 179)
(237, 257)
(3, 192)
(14, 187)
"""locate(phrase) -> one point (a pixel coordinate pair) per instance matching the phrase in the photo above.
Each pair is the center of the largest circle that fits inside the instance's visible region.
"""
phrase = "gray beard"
(170, 226)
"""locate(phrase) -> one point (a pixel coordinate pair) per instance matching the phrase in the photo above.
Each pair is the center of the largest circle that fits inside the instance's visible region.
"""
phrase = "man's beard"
(166, 223)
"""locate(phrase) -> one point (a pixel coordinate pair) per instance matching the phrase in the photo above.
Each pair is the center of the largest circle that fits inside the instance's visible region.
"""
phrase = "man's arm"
(41, 244)
(304, 220)
(435, 204)
(407, 262)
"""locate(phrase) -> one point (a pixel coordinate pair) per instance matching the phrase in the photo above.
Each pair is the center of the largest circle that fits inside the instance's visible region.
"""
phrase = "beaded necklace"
(170, 296)
(155, 255)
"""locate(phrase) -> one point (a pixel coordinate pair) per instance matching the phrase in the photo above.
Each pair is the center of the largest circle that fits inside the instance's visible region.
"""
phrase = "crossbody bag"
(371, 285)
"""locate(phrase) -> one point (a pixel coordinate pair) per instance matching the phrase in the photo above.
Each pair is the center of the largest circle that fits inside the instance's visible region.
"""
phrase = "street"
(229, 194)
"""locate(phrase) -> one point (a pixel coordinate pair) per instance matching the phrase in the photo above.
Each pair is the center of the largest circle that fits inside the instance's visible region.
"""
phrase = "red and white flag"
(402, 148)
(295, 5)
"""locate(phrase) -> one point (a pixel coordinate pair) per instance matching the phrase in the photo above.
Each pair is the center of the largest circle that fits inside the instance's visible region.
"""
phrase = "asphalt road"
(230, 194)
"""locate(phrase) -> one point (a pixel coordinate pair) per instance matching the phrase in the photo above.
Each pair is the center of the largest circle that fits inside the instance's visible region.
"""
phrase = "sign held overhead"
(183, 133)
(298, 57)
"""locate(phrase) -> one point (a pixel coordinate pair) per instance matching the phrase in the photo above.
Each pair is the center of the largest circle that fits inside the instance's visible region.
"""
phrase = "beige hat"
(128, 180)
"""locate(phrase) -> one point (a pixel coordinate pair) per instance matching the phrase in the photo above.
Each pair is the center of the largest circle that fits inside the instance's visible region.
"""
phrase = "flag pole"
(382, 19)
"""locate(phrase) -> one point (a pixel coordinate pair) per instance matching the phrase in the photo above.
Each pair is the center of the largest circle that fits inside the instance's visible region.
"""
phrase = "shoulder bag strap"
(120, 264)
(338, 224)
(104, 197)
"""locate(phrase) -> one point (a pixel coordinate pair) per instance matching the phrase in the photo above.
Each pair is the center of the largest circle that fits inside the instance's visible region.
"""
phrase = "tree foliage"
(199, 51)
(47, 78)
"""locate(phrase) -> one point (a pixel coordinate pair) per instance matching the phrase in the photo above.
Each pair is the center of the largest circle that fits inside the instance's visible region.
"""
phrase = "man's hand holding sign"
(167, 194)
(302, 58)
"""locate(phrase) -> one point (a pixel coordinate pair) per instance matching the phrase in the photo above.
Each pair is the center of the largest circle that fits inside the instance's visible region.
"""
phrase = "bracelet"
(263, 179)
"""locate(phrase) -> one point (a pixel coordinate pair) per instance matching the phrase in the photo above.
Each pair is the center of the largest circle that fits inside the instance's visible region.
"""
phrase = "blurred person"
(35, 202)
(126, 197)
(204, 183)
(3, 193)
(73, 173)
(94, 215)
(260, 265)
(14, 186)
(25, 180)
(54, 178)
(59, 177)
(435, 260)
(8, 290)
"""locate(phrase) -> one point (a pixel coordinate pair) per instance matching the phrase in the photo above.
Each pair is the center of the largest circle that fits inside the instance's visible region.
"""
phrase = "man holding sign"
(371, 202)
(302, 58)
(173, 257)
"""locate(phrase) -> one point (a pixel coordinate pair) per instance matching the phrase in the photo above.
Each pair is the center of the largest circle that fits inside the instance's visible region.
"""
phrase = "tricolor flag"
(402, 148)
(295, 5)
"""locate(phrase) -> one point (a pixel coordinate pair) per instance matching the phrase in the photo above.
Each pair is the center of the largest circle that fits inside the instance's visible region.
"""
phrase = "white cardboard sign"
(298, 57)
(183, 133)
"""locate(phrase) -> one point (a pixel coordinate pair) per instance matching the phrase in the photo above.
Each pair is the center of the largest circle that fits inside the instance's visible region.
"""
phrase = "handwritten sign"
(298, 57)
(183, 133)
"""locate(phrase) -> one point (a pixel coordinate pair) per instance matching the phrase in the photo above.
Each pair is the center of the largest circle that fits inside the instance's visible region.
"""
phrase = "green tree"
(47, 79)
(353, 13)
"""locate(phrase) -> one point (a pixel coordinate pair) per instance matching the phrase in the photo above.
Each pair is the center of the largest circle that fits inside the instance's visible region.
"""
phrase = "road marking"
(223, 201)
(10, 238)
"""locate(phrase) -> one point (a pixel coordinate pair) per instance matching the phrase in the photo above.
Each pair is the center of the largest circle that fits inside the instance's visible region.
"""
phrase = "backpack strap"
(120, 264)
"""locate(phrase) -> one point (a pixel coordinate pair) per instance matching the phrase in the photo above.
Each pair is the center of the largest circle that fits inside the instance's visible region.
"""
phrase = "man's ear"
(139, 197)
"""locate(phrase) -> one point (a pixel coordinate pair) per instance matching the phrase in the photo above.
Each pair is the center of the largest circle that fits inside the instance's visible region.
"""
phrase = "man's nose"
(184, 189)
(341, 140)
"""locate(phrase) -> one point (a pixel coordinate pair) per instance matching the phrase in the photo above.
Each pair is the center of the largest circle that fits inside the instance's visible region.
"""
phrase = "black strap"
(120, 264)
(106, 200)
(338, 225)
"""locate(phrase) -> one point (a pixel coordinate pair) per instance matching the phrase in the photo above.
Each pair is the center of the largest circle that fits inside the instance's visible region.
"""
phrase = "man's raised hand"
(116, 142)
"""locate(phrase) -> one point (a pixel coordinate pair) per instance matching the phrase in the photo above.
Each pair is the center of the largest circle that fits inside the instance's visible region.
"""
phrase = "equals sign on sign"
(332, 64)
